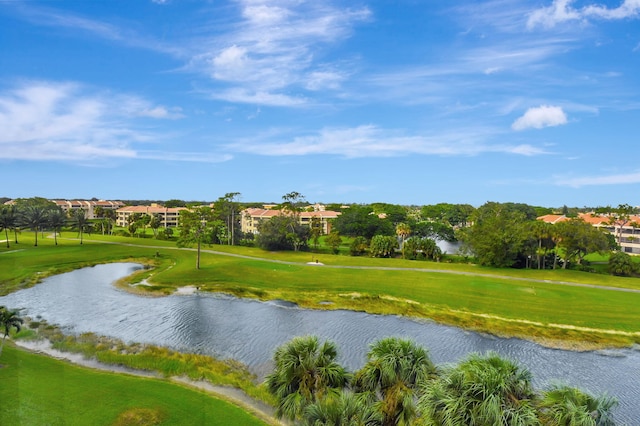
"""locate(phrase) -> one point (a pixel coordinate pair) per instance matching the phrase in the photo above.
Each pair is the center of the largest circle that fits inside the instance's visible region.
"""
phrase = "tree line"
(400, 385)
(39, 214)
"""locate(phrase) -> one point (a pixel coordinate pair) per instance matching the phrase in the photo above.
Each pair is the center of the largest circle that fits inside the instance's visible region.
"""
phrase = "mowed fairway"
(37, 390)
(501, 301)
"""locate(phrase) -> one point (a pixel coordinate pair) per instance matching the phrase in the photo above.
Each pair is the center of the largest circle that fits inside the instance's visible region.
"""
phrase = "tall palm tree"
(481, 390)
(57, 219)
(392, 376)
(305, 371)
(8, 320)
(403, 231)
(345, 409)
(8, 220)
(80, 222)
(34, 217)
(566, 406)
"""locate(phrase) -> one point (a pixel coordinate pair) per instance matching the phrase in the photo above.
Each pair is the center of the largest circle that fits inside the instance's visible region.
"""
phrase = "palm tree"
(481, 390)
(403, 231)
(34, 217)
(8, 320)
(566, 406)
(80, 222)
(392, 377)
(305, 371)
(345, 409)
(8, 220)
(57, 219)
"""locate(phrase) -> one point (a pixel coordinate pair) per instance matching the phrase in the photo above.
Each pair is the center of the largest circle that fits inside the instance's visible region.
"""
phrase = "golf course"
(557, 308)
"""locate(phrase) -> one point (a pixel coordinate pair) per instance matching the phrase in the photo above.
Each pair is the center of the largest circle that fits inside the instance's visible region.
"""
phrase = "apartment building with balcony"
(627, 233)
(250, 218)
(69, 206)
(169, 216)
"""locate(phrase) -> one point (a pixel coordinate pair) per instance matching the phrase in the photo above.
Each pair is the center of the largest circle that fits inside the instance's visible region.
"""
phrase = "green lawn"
(502, 301)
(38, 390)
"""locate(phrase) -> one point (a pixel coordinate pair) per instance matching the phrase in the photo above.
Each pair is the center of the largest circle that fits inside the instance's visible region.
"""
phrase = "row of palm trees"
(39, 218)
(399, 385)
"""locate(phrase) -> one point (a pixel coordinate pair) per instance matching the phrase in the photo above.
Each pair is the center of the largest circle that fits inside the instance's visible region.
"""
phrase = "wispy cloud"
(372, 141)
(563, 11)
(615, 179)
(68, 122)
(52, 17)
(540, 117)
(272, 51)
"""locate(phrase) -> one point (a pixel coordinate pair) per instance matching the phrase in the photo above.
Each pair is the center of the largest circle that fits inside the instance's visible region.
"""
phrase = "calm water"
(249, 331)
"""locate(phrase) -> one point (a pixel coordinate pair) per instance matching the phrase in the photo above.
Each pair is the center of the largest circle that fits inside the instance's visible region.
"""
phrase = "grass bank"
(525, 303)
(38, 390)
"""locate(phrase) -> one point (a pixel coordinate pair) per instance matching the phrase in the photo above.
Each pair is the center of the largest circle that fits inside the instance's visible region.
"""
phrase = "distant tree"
(226, 209)
(56, 220)
(578, 238)
(541, 234)
(8, 320)
(383, 246)
(394, 371)
(455, 215)
(621, 264)
(285, 232)
(8, 221)
(80, 222)
(421, 248)
(155, 223)
(497, 235)
(316, 231)
(282, 232)
(358, 246)
(305, 372)
(618, 217)
(392, 212)
(567, 406)
(33, 217)
(195, 228)
(334, 240)
(403, 231)
(175, 203)
(361, 221)
(435, 230)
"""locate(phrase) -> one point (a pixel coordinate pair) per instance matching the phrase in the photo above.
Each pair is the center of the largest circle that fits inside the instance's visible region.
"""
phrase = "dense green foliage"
(399, 385)
(305, 372)
(361, 221)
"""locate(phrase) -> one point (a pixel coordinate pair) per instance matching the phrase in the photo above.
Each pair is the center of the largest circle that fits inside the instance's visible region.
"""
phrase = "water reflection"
(249, 331)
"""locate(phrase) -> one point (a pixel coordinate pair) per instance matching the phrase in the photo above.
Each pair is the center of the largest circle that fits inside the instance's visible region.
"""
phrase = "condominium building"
(169, 216)
(627, 233)
(251, 218)
(69, 206)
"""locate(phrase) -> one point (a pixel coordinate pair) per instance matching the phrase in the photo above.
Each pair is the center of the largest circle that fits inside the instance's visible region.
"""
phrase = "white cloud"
(618, 179)
(273, 48)
(562, 11)
(66, 121)
(241, 95)
(542, 116)
(372, 141)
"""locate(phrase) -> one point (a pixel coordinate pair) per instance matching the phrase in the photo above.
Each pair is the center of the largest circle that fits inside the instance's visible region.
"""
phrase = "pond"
(86, 301)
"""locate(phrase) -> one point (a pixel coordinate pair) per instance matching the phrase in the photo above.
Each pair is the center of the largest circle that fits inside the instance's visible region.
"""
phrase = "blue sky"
(406, 102)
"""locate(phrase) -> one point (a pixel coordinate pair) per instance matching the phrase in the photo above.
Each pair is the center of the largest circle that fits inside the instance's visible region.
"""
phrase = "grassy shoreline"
(52, 391)
(508, 303)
